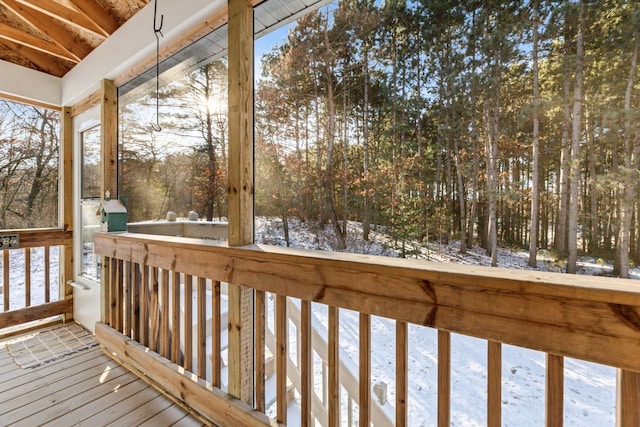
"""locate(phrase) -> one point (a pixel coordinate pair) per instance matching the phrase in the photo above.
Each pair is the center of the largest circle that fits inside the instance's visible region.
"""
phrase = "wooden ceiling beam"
(49, 26)
(64, 14)
(96, 14)
(20, 37)
(41, 60)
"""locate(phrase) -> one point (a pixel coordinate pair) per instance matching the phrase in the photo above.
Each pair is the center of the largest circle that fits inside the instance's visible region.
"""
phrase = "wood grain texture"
(6, 288)
(98, 16)
(23, 38)
(591, 318)
(282, 354)
(65, 14)
(216, 406)
(27, 277)
(45, 24)
(628, 407)
(494, 384)
(306, 365)
(202, 334)
(365, 369)
(259, 347)
(402, 372)
(216, 328)
(188, 322)
(444, 379)
(109, 138)
(333, 349)
(554, 396)
(36, 312)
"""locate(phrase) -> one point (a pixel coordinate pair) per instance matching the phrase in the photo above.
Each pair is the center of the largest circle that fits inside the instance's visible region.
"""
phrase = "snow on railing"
(590, 318)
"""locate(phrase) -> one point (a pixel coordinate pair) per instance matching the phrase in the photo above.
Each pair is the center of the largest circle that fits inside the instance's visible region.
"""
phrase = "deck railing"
(590, 318)
(36, 301)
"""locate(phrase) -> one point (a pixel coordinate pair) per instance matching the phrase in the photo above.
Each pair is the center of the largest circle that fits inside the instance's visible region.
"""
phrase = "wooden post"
(627, 407)
(108, 153)
(240, 189)
(109, 138)
(66, 254)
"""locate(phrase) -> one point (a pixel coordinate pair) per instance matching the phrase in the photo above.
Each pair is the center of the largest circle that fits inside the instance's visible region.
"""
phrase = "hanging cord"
(157, 30)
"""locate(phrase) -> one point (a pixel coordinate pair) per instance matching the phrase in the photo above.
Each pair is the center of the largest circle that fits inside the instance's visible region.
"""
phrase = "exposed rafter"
(43, 61)
(96, 14)
(65, 14)
(47, 25)
(21, 37)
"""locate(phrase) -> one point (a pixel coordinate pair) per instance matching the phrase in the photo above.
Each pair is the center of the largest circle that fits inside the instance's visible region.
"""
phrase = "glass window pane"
(90, 225)
(91, 163)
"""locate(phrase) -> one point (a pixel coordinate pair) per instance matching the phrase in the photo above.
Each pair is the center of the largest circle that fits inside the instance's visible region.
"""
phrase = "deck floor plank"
(85, 388)
(169, 416)
(15, 389)
(150, 404)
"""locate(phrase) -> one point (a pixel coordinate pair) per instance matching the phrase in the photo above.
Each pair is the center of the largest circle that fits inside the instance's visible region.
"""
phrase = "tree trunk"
(533, 240)
(560, 238)
(629, 174)
(576, 133)
(330, 136)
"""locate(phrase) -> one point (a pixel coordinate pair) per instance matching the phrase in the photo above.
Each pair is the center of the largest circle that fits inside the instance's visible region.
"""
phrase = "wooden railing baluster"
(27, 277)
(494, 384)
(334, 372)
(120, 296)
(402, 354)
(127, 305)
(135, 303)
(188, 322)
(281, 358)
(444, 379)
(365, 370)
(5, 281)
(47, 274)
(165, 311)
(259, 345)
(554, 396)
(306, 363)
(202, 331)
(175, 318)
(216, 328)
(154, 315)
(144, 305)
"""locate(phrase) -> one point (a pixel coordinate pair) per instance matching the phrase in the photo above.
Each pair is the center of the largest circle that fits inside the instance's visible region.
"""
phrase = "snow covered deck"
(86, 388)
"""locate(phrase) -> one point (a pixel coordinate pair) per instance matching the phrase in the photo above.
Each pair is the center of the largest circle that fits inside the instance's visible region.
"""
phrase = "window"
(183, 166)
(90, 142)
(29, 150)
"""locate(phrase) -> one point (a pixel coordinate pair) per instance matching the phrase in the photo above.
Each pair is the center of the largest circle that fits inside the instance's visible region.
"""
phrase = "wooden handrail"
(590, 318)
(575, 316)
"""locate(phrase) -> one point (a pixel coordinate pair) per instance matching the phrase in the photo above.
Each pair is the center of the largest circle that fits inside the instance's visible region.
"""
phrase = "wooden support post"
(627, 408)
(260, 322)
(109, 136)
(240, 189)
(66, 188)
(334, 366)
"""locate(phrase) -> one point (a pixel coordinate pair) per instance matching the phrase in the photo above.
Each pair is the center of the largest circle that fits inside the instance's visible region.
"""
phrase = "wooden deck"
(84, 389)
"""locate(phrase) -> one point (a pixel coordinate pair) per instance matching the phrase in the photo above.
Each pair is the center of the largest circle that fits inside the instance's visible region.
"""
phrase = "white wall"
(30, 84)
(130, 44)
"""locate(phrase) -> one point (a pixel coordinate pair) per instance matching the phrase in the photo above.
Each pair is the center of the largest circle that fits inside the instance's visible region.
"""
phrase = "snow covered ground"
(589, 388)
(17, 277)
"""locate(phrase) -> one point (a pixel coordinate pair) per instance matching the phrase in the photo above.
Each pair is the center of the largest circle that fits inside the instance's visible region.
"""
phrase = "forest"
(496, 123)
(29, 150)
(493, 123)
